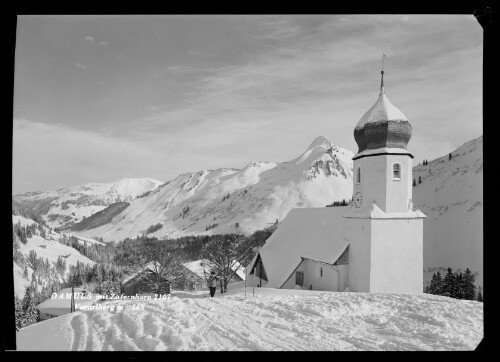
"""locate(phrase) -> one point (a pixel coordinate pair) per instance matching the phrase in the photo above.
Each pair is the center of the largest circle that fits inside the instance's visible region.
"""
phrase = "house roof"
(199, 267)
(131, 276)
(313, 233)
(61, 304)
(203, 267)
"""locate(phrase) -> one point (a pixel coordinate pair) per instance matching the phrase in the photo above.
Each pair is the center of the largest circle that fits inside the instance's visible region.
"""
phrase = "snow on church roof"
(382, 110)
(314, 233)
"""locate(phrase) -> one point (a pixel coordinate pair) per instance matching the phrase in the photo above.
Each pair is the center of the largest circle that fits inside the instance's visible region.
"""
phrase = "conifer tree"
(449, 157)
(469, 287)
(448, 288)
(479, 295)
(459, 288)
(414, 182)
(439, 283)
(419, 179)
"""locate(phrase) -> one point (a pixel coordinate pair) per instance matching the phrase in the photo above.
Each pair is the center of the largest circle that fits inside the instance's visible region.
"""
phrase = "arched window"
(396, 171)
(358, 175)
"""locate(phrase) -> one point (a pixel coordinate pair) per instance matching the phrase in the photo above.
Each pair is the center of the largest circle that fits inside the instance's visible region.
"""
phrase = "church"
(375, 244)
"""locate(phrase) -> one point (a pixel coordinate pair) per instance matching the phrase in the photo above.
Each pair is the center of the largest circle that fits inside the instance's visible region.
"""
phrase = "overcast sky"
(99, 98)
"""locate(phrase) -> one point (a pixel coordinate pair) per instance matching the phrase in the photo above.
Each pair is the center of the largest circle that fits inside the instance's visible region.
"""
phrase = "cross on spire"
(382, 72)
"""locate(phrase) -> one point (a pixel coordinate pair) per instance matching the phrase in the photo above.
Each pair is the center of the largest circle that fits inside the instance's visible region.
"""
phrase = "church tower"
(384, 228)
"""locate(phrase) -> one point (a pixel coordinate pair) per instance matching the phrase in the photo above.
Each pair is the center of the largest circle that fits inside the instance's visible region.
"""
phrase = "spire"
(382, 72)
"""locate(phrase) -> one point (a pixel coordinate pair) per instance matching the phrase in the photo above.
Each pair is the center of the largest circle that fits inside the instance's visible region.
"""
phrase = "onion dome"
(382, 126)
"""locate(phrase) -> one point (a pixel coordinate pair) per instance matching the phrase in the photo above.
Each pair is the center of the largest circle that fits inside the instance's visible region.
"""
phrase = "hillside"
(451, 195)
(46, 247)
(101, 217)
(229, 200)
(276, 320)
(68, 206)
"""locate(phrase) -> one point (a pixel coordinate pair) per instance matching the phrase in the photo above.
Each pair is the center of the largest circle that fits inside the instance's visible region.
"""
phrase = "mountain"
(230, 200)
(67, 206)
(451, 195)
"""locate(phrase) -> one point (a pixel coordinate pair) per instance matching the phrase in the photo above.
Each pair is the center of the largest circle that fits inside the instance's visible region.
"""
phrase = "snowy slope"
(273, 319)
(48, 247)
(451, 195)
(229, 200)
(71, 205)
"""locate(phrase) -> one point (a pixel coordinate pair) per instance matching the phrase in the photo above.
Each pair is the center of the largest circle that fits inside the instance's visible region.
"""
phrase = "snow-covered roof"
(374, 212)
(314, 233)
(202, 267)
(131, 276)
(61, 304)
(382, 110)
(199, 267)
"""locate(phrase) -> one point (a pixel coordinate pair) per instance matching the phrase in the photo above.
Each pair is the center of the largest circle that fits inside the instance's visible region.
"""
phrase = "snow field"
(271, 320)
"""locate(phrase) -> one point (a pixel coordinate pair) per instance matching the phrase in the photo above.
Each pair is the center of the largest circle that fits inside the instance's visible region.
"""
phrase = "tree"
(160, 268)
(459, 290)
(449, 288)
(419, 179)
(436, 284)
(449, 157)
(479, 295)
(468, 285)
(414, 182)
(25, 272)
(227, 254)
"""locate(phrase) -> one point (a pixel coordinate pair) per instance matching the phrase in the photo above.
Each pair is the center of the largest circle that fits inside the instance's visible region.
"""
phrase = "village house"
(201, 269)
(60, 303)
(136, 282)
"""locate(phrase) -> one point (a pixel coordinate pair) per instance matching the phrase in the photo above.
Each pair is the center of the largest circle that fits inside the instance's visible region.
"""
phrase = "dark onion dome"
(382, 126)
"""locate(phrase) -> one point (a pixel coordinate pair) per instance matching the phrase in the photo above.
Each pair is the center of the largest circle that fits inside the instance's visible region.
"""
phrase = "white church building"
(375, 244)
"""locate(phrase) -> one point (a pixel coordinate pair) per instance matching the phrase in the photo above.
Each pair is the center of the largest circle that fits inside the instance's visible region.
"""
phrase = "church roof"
(382, 126)
(382, 110)
(313, 233)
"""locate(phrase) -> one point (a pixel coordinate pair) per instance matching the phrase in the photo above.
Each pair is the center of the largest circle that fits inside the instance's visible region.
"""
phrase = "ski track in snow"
(324, 321)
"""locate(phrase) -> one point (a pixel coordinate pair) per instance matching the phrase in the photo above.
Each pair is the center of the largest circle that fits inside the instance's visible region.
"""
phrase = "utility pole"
(72, 308)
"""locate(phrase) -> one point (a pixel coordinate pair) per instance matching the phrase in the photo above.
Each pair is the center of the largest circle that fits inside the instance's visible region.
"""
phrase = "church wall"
(399, 192)
(358, 232)
(397, 256)
(290, 282)
(313, 280)
(331, 280)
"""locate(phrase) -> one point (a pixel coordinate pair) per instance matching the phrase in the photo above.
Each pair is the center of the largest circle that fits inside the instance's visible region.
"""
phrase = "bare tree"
(159, 267)
(228, 254)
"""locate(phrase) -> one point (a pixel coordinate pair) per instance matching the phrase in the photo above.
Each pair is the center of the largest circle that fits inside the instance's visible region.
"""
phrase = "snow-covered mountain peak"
(320, 141)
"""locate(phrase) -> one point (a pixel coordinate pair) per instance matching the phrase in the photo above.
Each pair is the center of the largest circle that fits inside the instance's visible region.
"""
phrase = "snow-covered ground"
(271, 320)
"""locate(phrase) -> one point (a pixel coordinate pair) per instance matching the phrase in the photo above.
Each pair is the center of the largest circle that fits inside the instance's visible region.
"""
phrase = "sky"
(99, 98)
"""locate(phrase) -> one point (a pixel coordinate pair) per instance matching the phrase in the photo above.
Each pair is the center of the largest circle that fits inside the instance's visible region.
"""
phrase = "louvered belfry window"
(396, 171)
